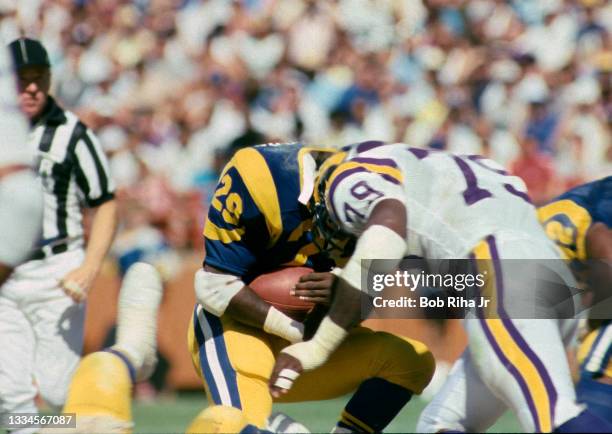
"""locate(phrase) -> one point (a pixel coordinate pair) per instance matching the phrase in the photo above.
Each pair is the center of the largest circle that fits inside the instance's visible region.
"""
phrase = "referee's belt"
(39, 254)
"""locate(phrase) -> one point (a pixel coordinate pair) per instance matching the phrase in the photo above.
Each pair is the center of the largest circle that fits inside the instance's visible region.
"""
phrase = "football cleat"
(281, 423)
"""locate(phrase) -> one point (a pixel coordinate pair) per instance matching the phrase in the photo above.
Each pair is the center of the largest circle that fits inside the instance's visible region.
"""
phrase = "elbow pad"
(376, 242)
(214, 291)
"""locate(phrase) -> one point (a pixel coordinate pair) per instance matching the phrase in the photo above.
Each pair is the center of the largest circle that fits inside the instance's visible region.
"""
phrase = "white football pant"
(517, 364)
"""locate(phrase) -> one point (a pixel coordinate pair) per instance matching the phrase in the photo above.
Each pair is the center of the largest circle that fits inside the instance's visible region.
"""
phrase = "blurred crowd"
(173, 87)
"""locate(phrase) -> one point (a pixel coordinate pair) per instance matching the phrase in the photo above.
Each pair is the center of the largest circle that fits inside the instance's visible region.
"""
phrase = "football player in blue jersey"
(258, 221)
(580, 222)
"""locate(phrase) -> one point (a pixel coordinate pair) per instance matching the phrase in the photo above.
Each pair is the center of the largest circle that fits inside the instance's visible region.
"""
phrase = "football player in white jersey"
(20, 192)
(402, 201)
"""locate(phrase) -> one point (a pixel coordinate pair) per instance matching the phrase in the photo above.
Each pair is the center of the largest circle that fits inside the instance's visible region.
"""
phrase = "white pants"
(483, 384)
(517, 364)
(41, 334)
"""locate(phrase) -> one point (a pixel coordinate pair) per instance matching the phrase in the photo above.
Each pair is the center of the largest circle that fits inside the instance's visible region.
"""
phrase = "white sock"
(139, 300)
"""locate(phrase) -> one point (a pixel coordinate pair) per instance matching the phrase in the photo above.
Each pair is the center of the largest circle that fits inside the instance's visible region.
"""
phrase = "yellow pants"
(235, 362)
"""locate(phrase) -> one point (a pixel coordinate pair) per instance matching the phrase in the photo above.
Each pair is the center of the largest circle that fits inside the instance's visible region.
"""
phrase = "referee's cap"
(28, 52)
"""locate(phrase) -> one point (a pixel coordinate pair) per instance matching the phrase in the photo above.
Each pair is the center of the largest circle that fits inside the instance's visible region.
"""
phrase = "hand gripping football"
(275, 286)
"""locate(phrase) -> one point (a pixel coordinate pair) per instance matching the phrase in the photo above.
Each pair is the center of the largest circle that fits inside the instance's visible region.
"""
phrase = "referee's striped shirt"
(74, 173)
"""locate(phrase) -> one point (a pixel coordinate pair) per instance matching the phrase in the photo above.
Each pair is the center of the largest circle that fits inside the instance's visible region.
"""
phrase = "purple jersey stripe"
(510, 188)
(371, 144)
(390, 178)
(477, 159)
(334, 184)
(513, 371)
(420, 153)
(388, 162)
(380, 161)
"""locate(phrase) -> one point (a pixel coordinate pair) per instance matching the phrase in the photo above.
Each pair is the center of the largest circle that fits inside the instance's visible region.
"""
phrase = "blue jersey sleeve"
(235, 230)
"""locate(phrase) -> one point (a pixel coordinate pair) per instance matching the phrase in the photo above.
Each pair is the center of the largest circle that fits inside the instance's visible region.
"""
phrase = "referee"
(41, 309)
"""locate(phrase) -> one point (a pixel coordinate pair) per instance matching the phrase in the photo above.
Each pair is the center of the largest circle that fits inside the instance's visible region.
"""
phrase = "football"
(275, 286)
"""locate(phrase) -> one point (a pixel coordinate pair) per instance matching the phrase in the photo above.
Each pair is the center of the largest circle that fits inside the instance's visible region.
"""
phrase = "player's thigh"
(463, 403)
(16, 359)
(523, 361)
(59, 329)
(235, 362)
(366, 354)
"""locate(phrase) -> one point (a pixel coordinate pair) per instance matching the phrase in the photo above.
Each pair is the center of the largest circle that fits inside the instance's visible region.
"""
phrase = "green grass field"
(172, 415)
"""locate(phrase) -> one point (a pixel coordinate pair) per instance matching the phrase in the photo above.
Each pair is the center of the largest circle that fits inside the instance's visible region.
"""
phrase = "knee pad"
(409, 363)
(101, 386)
(218, 419)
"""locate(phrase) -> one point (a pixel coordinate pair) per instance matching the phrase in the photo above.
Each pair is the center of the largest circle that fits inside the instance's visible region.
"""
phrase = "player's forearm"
(225, 294)
(103, 228)
(222, 293)
(249, 308)
(346, 307)
(344, 313)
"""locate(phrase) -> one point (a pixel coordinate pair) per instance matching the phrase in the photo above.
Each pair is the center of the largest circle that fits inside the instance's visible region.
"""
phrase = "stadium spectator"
(536, 169)
(180, 81)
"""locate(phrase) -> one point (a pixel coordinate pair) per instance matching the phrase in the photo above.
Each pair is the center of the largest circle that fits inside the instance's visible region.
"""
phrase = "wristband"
(279, 324)
(315, 352)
